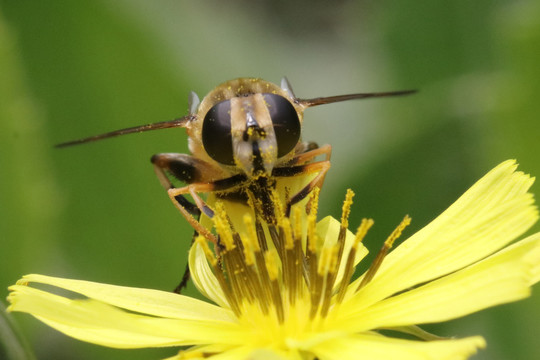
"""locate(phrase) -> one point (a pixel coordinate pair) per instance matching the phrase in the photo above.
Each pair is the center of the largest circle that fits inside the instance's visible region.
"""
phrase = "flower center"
(288, 271)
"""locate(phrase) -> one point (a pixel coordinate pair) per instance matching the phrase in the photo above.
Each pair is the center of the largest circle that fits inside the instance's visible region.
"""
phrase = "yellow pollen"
(346, 209)
(271, 259)
(297, 212)
(285, 224)
(201, 240)
(314, 201)
(278, 206)
(249, 256)
(312, 233)
(326, 252)
(362, 230)
(222, 227)
(333, 259)
(252, 232)
(397, 231)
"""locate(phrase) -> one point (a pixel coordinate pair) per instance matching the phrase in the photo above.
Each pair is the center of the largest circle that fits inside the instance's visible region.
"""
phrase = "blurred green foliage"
(97, 212)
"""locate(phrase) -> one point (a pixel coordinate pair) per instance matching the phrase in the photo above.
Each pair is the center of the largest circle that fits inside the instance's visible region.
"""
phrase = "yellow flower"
(285, 292)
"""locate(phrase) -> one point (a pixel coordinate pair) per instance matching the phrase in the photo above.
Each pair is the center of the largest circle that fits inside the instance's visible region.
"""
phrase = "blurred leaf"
(14, 346)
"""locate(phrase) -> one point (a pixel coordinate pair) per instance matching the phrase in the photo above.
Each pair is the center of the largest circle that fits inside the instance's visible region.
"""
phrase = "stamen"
(271, 259)
(254, 282)
(278, 206)
(252, 232)
(361, 232)
(227, 290)
(248, 246)
(297, 215)
(222, 227)
(312, 222)
(276, 239)
(298, 268)
(319, 291)
(299, 250)
(312, 256)
(316, 285)
(345, 211)
(271, 264)
(314, 201)
(261, 237)
(331, 272)
(384, 251)
(262, 271)
(235, 273)
(312, 233)
(287, 260)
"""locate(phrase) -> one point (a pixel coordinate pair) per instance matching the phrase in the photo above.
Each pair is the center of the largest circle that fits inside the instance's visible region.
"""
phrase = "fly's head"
(247, 125)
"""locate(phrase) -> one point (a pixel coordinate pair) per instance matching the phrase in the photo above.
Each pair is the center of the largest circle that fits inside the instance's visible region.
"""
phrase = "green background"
(97, 212)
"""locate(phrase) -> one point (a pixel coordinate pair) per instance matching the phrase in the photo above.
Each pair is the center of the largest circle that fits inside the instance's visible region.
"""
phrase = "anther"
(345, 212)
(314, 201)
(370, 273)
(251, 232)
(330, 279)
(346, 209)
(361, 232)
(223, 227)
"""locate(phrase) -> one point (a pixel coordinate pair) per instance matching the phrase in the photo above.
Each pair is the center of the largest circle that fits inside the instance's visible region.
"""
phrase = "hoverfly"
(244, 136)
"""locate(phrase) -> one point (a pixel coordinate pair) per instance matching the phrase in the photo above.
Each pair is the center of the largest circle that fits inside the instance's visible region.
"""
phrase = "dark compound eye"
(286, 122)
(216, 133)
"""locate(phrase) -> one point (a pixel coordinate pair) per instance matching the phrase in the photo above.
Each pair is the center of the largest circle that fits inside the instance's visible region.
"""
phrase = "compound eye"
(216, 133)
(286, 122)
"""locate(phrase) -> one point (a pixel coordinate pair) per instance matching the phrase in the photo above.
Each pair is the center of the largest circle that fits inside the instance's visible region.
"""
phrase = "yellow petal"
(99, 323)
(145, 301)
(492, 213)
(503, 277)
(377, 347)
(221, 353)
(328, 231)
(203, 277)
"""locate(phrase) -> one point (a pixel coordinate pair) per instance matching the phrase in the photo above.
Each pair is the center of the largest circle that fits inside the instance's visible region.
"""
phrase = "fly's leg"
(186, 169)
(190, 170)
(319, 167)
(183, 168)
(313, 150)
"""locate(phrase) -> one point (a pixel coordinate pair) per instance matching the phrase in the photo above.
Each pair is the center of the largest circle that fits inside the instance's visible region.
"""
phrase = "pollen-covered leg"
(182, 167)
(320, 167)
(173, 194)
(194, 190)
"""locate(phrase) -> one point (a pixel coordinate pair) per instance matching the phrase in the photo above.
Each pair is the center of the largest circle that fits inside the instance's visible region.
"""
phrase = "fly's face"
(247, 126)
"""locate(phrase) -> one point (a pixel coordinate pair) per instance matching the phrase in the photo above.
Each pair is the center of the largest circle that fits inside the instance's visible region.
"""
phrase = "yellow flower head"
(286, 291)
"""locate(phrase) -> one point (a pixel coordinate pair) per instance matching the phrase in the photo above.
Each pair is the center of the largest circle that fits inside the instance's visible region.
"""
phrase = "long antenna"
(333, 99)
(180, 122)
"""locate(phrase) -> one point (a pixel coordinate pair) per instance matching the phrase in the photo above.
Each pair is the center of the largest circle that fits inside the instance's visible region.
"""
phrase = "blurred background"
(97, 212)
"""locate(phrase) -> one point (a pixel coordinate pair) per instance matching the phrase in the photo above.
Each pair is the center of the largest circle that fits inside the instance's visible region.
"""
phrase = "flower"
(285, 291)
